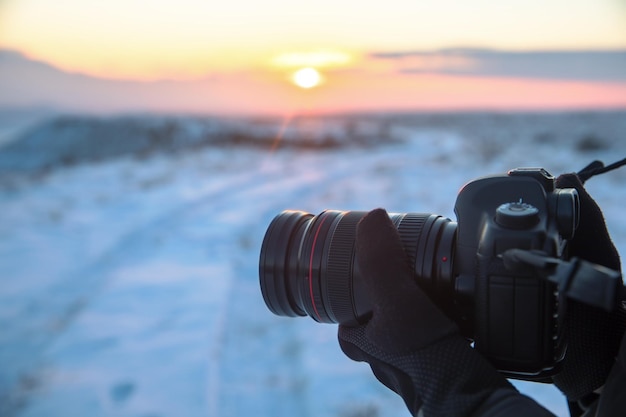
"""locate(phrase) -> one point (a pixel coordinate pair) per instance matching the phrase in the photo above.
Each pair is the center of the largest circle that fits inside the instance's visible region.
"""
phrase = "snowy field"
(129, 255)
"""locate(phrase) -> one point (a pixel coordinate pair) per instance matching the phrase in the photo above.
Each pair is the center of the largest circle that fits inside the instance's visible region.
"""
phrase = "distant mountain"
(29, 83)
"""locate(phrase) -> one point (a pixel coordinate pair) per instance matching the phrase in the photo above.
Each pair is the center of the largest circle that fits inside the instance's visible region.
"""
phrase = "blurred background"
(146, 146)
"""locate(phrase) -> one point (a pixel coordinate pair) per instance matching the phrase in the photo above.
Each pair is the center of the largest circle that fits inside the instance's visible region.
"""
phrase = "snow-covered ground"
(129, 282)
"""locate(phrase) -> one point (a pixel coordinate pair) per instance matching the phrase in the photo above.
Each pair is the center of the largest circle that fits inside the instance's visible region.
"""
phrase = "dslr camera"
(509, 311)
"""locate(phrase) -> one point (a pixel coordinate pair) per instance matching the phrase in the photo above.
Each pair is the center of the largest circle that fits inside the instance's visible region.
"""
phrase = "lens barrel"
(308, 263)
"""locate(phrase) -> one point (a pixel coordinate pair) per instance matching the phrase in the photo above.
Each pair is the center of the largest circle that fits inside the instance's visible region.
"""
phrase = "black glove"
(412, 347)
(593, 335)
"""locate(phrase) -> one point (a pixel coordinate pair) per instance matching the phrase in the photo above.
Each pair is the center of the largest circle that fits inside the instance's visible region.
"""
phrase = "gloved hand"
(593, 335)
(412, 347)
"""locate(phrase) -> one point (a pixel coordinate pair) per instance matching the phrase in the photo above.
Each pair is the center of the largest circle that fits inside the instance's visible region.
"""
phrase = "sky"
(442, 54)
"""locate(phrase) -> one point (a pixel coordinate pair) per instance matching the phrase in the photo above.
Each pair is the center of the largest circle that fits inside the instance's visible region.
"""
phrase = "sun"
(307, 77)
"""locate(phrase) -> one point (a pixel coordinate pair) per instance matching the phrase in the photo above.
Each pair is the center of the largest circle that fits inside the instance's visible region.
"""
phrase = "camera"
(511, 314)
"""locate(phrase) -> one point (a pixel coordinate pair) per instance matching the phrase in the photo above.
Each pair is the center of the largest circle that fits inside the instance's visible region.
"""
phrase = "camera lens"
(308, 263)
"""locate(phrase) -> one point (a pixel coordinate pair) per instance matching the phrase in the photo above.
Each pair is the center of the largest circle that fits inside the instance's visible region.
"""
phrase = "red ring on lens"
(317, 232)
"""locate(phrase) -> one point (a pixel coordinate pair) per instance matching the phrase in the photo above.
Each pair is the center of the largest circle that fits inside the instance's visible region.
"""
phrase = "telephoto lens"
(308, 263)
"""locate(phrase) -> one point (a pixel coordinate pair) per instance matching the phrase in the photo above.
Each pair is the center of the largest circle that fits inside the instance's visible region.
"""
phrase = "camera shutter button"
(517, 215)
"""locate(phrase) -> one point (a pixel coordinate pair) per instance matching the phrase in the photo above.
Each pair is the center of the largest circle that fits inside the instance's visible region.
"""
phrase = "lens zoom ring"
(340, 268)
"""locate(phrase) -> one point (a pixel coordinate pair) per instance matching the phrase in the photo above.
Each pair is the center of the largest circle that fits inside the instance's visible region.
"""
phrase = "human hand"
(411, 346)
(593, 335)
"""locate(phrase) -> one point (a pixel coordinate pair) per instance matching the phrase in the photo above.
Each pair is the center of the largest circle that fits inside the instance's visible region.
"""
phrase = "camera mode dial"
(517, 215)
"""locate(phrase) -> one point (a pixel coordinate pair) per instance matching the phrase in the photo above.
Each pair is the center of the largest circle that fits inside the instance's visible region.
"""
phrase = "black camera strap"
(580, 280)
(577, 279)
(596, 168)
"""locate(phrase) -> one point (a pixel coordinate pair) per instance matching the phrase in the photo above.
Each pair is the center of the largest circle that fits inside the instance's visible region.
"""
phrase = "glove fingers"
(403, 318)
(381, 259)
(591, 241)
(594, 335)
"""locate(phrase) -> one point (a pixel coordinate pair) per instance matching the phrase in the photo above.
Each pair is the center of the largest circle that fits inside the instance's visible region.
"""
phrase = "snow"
(129, 280)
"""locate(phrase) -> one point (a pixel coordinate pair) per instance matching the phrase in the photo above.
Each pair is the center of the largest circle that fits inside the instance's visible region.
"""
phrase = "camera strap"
(576, 278)
(596, 168)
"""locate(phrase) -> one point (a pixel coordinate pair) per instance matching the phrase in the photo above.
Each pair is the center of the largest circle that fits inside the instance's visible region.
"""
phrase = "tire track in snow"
(76, 294)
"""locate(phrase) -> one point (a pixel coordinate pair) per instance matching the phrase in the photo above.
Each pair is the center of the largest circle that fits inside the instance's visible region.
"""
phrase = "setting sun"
(307, 78)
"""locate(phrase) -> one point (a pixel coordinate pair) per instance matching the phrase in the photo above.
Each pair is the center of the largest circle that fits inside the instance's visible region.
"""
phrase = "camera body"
(512, 313)
(513, 316)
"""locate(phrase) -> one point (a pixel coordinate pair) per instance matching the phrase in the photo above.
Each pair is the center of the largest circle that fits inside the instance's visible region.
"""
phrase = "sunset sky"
(358, 55)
